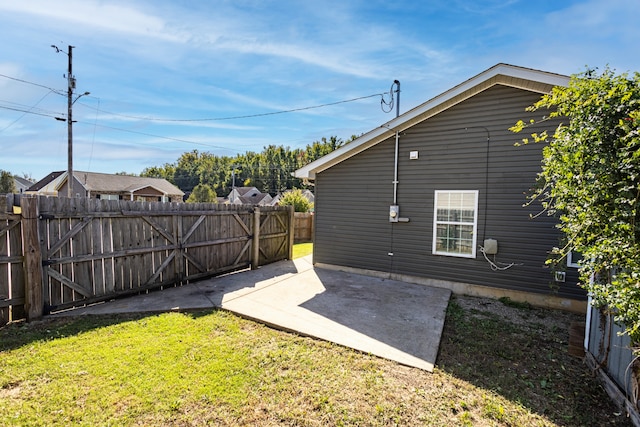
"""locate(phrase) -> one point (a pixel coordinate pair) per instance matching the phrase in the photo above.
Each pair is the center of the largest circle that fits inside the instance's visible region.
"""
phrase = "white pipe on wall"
(395, 174)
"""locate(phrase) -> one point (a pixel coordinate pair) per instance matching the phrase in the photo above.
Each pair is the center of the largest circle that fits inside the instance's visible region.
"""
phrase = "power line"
(30, 108)
(25, 113)
(29, 112)
(59, 92)
(157, 136)
(157, 119)
(57, 117)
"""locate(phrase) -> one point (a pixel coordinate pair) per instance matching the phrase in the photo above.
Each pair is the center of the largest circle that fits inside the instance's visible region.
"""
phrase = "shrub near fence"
(89, 250)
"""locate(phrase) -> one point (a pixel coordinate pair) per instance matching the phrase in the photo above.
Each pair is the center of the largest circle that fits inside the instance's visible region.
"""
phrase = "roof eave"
(508, 75)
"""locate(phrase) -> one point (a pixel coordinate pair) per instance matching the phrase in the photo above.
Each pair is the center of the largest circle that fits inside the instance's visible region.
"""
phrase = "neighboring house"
(21, 184)
(249, 196)
(438, 196)
(110, 187)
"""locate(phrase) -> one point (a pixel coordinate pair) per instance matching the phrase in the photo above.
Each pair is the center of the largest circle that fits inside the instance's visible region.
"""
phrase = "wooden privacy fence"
(610, 354)
(11, 267)
(303, 227)
(60, 253)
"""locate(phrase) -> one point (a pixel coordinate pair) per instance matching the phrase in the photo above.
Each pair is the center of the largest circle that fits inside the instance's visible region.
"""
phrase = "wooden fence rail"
(61, 253)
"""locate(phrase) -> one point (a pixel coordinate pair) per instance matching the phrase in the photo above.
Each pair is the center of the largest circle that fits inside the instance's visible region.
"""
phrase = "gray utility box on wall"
(490, 246)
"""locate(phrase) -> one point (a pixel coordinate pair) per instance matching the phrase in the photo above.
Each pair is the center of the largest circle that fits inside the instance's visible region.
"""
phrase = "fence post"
(34, 305)
(255, 244)
(180, 258)
(292, 230)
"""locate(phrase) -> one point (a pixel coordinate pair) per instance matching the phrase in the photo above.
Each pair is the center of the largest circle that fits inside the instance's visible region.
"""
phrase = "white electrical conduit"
(494, 264)
(395, 174)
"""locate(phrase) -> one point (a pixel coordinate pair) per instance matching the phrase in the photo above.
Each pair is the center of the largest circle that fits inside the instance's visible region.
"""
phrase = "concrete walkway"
(395, 320)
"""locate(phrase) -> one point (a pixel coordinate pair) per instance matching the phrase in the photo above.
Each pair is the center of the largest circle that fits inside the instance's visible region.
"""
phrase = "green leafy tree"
(186, 173)
(168, 172)
(323, 147)
(7, 183)
(216, 172)
(202, 193)
(270, 171)
(296, 199)
(590, 179)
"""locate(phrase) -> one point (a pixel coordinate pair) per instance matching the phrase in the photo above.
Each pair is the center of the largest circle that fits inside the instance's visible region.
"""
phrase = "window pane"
(467, 215)
(468, 200)
(442, 231)
(454, 223)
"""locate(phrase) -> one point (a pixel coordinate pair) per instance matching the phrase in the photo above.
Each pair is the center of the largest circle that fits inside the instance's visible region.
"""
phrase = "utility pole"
(70, 101)
(233, 181)
(72, 84)
(397, 83)
(389, 104)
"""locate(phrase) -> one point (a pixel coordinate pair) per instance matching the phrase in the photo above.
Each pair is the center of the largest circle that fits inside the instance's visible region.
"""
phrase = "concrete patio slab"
(395, 320)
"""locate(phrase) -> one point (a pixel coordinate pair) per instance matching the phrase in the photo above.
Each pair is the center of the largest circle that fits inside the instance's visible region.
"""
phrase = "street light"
(70, 101)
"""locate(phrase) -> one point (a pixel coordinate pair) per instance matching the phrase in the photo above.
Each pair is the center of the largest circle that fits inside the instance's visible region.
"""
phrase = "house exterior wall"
(147, 194)
(78, 189)
(353, 199)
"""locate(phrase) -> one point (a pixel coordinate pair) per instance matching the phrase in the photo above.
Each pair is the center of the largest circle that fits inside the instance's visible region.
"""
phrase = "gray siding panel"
(355, 212)
(353, 199)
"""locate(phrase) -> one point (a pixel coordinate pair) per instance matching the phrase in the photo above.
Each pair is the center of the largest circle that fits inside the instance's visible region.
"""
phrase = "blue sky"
(157, 68)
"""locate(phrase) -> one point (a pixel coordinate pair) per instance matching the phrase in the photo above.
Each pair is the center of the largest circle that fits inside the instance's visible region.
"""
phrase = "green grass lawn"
(302, 249)
(214, 368)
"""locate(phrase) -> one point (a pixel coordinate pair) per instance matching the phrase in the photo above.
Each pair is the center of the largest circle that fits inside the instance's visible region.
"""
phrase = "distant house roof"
(44, 182)
(94, 182)
(243, 191)
(504, 74)
(249, 196)
(255, 199)
(22, 184)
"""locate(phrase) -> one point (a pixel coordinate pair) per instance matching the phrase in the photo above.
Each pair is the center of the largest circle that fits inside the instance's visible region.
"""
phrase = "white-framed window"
(574, 259)
(108, 197)
(455, 221)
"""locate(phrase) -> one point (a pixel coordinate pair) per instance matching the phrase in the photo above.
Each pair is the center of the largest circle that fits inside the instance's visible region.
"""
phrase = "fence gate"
(95, 250)
(89, 258)
(276, 235)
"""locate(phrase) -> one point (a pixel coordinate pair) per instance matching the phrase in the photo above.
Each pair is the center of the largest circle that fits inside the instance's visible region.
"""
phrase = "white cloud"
(118, 18)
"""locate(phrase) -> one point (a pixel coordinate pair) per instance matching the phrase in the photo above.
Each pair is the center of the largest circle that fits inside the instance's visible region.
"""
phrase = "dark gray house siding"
(354, 195)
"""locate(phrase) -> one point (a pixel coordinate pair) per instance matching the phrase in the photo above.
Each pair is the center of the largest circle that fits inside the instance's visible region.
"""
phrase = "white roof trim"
(405, 120)
(137, 187)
